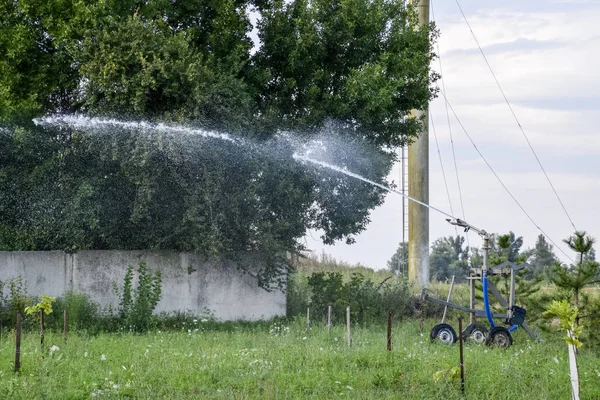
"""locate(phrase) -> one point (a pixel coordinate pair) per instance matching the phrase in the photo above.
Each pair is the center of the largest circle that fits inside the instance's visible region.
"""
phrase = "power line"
(515, 116)
(462, 206)
(498, 177)
(437, 145)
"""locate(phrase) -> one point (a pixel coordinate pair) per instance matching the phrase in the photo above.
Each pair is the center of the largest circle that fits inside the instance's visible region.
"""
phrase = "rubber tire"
(500, 337)
(475, 333)
(443, 333)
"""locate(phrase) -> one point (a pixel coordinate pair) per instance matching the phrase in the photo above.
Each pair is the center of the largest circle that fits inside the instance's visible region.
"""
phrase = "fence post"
(65, 324)
(18, 344)
(308, 319)
(389, 331)
(42, 329)
(348, 326)
(462, 361)
(329, 319)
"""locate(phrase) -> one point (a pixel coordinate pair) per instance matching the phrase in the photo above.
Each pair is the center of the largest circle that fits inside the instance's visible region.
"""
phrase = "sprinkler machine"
(514, 317)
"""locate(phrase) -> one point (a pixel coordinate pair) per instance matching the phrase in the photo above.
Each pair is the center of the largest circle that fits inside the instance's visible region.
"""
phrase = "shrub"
(13, 300)
(83, 313)
(137, 303)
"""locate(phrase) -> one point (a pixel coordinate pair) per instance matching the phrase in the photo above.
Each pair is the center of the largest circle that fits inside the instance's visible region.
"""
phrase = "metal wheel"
(499, 336)
(475, 333)
(443, 333)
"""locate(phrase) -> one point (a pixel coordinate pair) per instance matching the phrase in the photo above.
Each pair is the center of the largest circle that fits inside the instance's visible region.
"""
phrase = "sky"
(544, 56)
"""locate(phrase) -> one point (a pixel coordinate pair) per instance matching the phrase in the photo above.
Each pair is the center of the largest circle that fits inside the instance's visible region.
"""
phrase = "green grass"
(280, 361)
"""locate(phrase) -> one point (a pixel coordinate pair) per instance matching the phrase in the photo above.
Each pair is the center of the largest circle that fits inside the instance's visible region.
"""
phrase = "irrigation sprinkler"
(514, 315)
(513, 318)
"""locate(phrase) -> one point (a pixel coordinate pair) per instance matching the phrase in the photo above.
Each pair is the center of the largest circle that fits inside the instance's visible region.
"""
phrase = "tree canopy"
(358, 63)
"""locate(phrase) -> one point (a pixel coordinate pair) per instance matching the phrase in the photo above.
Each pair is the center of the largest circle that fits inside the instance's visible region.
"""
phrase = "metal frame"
(507, 268)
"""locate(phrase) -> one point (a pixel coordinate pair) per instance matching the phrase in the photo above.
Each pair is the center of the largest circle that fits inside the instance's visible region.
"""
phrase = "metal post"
(472, 300)
(348, 326)
(329, 319)
(418, 185)
(486, 250)
(511, 296)
(448, 300)
(307, 319)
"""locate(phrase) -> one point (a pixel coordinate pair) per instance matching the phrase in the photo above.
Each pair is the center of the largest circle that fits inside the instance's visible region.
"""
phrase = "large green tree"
(347, 71)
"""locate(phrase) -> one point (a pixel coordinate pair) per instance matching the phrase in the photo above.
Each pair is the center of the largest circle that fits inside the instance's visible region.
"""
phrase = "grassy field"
(284, 361)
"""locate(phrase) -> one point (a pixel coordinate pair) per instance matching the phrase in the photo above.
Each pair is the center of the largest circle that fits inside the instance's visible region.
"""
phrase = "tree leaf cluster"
(358, 63)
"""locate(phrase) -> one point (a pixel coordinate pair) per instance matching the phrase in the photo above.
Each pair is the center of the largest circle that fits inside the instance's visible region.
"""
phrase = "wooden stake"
(18, 344)
(65, 324)
(348, 326)
(307, 319)
(462, 361)
(329, 319)
(42, 329)
(420, 312)
(389, 332)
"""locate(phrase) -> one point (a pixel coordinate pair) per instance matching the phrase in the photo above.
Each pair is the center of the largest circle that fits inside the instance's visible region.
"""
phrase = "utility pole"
(418, 184)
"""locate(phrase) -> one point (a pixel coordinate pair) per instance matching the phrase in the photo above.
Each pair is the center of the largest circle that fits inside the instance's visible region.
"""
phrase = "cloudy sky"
(544, 54)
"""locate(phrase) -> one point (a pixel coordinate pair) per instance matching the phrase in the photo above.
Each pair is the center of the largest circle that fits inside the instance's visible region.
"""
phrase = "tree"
(575, 277)
(398, 264)
(359, 64)
(508, 249)
(542, 257)
(448, 258)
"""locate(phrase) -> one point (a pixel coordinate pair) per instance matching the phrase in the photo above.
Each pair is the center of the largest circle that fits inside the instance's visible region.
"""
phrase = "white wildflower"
(53, 349)
(555, 360)
(85, 354)
(102, 357)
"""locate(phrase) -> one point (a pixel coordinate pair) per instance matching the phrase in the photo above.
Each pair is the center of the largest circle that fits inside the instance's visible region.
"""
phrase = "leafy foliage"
(44, 305)
(567, 316)
(358, 63)
(368, 301)
(448, 258)
(575, 278)
(138, 302)
(398, 264)
(13, 299)
(543, 258)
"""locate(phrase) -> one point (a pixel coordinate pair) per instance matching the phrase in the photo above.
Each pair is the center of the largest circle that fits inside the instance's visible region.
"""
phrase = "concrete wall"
(189, 282)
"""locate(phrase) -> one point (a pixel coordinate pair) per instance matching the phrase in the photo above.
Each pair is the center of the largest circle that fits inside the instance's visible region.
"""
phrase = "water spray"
(82, 122)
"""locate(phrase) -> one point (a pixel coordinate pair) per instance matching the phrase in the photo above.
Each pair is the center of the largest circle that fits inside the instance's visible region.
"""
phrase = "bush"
(369, 302)
(137, 303)
(13, 300)
(83, 313)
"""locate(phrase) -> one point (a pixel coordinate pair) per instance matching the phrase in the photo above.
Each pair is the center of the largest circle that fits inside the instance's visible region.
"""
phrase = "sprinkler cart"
(513, 318)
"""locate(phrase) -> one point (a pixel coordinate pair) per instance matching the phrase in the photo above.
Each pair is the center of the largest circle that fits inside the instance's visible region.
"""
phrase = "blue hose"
(486, 300)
